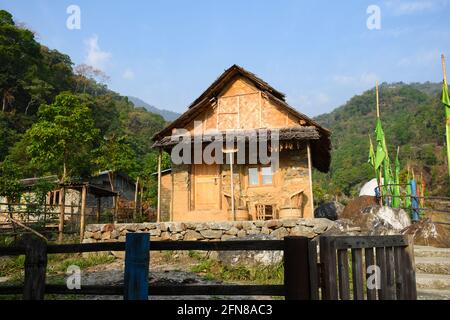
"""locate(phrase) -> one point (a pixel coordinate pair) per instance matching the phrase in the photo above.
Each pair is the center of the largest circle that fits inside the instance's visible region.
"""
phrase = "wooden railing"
(305, 277)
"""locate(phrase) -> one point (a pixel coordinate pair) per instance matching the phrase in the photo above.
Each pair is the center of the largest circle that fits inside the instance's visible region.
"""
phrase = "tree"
(61, 140)
(10, 186)
(116, 155)
(19, 56)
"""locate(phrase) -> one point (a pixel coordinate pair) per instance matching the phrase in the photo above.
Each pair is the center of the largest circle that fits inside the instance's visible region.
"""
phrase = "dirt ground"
(164, 270)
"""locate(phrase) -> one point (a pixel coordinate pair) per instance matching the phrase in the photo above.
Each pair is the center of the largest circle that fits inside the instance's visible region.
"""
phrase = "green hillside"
(57, 118)
(413, 118)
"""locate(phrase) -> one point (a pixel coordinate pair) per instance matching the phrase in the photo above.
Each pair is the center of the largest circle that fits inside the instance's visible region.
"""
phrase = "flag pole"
(422, 192)
(378, 100)
(447, 120)
(378, 117)
(444, 68)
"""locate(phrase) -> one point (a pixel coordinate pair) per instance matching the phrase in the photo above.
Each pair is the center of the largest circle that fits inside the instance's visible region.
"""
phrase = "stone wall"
(209, 231)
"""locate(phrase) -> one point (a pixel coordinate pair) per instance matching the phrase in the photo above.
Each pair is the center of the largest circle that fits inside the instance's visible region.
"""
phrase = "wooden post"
(136, 190)
(99, 208)
(158, 208)
(140, 202)
(410, 270)
(308, 147)
(116, 208)
(233, 209)
(296, 268)
(83, 211)
(137, 255)
(328, 262)
(62, 211)
(35, 269)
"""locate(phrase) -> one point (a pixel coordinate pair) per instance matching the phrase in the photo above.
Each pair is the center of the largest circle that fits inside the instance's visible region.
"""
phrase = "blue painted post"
(414, 201)
(137, 256)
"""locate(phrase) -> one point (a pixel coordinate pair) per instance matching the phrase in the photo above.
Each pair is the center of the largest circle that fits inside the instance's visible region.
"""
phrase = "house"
(244, 107)
(123, 184)
(98, 186)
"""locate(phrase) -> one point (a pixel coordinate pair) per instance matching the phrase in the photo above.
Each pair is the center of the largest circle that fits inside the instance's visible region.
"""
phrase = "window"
(260, 176)
(253, 176)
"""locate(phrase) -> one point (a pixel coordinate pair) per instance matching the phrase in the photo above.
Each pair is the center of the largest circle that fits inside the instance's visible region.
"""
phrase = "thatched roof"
(320, 139)
(320, 145)
(291, 133)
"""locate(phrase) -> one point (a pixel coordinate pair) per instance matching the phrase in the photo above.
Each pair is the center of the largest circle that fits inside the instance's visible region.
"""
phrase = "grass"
(14, 266)
(57, 265)
(213, 270)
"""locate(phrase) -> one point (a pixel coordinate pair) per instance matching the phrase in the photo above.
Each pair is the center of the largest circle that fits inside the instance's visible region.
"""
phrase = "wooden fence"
(305, 277)
(346, 261)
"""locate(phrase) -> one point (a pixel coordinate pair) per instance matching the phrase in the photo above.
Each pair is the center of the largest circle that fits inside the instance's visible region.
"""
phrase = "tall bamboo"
(447, 120)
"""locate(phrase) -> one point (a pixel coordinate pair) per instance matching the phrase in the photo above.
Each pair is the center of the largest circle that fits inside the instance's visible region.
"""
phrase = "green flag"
(371, 153)
(382, 156)
(446, 101)
(396, 189)
(445, 98)
(408, 192)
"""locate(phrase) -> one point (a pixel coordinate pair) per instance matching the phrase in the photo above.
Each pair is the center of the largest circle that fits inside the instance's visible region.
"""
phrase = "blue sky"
(319, 53)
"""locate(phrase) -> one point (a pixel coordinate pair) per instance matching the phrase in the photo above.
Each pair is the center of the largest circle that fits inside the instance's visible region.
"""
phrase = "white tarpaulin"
(369, 188)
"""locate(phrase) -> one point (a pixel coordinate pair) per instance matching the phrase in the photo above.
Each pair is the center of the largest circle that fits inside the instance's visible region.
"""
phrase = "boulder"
(221, 225)
(302, 231)
(115, 234)
(329, 210)
(192, 235)
(232, 231)
(354, 207)
(155, 232)
(93, 227)
(279, 233)
(241, 233)
(272, 224)
(226, 237)
(381, 220)
(211, 234)
(251, 258)
(343, 227)
(289, 223)
(176, 226)
(427, 233)
(321, 225)
(165, 236)
(108, 227)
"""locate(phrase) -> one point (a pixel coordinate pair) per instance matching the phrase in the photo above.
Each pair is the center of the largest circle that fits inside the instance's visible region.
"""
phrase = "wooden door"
(207, 187)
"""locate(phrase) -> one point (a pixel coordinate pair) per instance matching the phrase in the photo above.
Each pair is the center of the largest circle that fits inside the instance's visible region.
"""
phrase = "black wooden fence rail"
(296, 269)
(310, 273)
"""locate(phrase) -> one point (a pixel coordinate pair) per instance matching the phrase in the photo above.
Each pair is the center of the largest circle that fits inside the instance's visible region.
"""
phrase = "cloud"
(128, 74)
(95, 56)
(312, 100)
(363, 80)
(404, 7)
(424, 58)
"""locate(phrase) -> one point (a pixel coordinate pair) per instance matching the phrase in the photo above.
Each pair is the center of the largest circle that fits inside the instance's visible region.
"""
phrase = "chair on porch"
(293, 206)
(240, 206)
